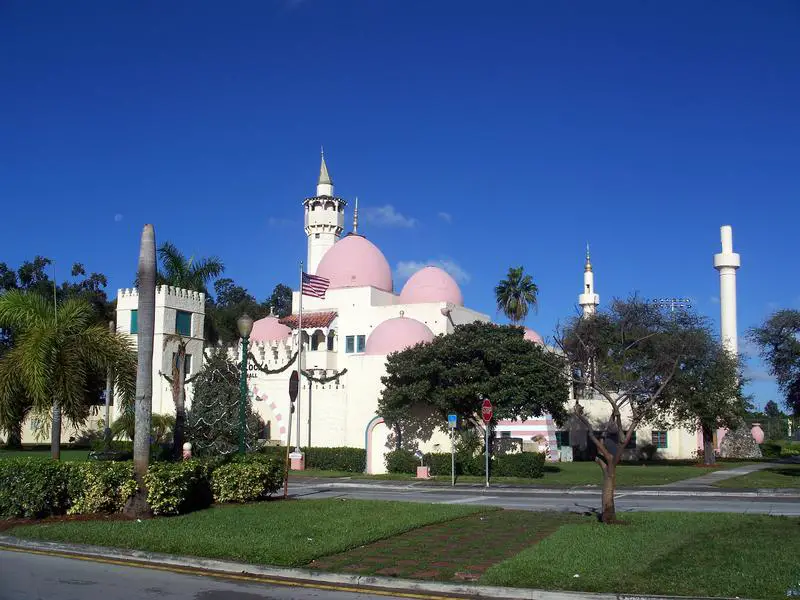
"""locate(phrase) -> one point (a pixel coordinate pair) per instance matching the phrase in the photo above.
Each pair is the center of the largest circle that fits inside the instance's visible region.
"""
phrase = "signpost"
(294, 389)
(452, 420)
(486, 413)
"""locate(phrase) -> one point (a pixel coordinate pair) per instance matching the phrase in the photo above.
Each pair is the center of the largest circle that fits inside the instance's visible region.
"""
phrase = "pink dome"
(431, 284)
(534, 337)
(354, 261)
(397, 334)
(269, 329)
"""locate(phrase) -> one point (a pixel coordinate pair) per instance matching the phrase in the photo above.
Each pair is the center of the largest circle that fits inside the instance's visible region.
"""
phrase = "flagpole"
(299, 355)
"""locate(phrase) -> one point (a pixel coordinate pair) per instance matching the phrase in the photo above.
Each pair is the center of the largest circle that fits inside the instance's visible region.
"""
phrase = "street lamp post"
(245, 326)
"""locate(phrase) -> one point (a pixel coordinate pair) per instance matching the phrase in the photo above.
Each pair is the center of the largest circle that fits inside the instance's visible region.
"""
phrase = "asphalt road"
(587, 501)
(26, 576)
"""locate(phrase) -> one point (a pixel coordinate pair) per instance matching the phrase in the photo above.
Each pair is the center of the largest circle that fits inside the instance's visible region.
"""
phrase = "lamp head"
(245, 325)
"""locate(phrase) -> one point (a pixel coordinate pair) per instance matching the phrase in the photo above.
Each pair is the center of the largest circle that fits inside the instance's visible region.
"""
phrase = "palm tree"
(516, 294)
(56, 351)
(146, 275)
(190, 274)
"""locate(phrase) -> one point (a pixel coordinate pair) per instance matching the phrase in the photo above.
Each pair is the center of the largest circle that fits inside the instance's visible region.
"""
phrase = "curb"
(291, 576)
(757, 493)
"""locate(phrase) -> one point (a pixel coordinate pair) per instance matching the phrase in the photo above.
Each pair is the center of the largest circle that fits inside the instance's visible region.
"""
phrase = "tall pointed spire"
(325, 183)
(355, 217)
(588, 260)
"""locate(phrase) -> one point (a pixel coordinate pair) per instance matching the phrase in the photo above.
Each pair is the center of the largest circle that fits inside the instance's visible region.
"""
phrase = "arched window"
(318, 340)
(331, 341)
(304, 337)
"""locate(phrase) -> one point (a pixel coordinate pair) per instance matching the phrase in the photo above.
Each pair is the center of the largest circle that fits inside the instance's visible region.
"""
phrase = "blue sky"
(482, 134)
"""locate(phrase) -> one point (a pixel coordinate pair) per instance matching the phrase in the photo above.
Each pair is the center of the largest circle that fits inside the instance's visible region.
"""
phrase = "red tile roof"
(311, 320)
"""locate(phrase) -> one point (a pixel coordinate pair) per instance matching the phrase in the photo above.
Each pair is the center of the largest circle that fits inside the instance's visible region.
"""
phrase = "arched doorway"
(377, 438)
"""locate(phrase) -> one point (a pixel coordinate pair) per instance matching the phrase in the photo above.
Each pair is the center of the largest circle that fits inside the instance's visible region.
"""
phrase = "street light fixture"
(245, 326)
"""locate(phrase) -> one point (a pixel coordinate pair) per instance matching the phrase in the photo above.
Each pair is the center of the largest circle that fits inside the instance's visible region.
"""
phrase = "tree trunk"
(14, 441)
(55, 433)
(179, 395)
(708, 446)
(137, 506)
(609, 511)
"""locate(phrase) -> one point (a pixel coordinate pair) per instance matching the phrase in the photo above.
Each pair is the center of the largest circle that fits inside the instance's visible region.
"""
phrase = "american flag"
(315, 286)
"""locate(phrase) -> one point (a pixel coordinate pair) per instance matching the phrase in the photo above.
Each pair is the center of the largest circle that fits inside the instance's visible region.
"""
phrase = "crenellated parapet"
(166, 295)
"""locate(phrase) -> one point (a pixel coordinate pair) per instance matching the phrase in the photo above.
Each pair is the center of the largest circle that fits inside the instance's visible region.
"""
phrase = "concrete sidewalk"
(709, 479)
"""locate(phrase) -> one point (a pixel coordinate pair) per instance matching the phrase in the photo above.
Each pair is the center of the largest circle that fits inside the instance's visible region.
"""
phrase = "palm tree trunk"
(137, 506)
(55, 432)
(179, 392)
(14, 441)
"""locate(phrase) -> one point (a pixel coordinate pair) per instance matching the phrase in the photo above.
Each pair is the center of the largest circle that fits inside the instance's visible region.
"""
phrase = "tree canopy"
(778, 340)
(516, 295)
(188, 273)
(455, 372)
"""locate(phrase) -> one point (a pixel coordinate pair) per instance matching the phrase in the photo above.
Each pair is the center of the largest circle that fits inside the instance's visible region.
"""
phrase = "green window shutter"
(349, 344)
(134, 321)
(183, 323)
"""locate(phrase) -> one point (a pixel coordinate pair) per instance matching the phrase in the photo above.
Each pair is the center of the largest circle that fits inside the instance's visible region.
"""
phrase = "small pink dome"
(269, 329)
(397, 334)
(534, 337)
(431, 284)
(354, 261)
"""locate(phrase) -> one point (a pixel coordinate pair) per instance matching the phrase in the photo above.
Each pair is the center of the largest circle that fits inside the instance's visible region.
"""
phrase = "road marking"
(467, 500)
(252, 578)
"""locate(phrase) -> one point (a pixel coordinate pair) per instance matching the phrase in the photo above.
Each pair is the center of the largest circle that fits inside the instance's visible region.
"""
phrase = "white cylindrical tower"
(324, 219)
(588, 300)
(726, 262)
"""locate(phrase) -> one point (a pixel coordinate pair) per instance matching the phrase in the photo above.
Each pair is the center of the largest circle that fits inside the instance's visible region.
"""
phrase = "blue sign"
(453, 421)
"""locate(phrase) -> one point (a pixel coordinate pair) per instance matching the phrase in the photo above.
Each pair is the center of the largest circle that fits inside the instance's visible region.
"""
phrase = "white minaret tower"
(726, 262)
(588, 300)
(324, 219)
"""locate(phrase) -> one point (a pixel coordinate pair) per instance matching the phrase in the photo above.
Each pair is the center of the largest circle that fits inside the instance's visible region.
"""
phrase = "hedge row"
(32, 487)
(351, 460)
(525, 464)
(780, 449)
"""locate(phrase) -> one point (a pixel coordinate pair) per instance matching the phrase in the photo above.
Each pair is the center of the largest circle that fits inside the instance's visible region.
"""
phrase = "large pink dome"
(269, 329)
(354, 261)
(431, 284)
(397, 334)
(533, 336)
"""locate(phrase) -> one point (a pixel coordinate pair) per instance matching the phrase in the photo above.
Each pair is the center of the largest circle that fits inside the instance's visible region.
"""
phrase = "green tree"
(178, 271)
(778, 340)
(640, 360)
(56, 352)
(280, 301)
(706, 392)
(516, 295)
(213, 420)
(772, 410)
(455, 372)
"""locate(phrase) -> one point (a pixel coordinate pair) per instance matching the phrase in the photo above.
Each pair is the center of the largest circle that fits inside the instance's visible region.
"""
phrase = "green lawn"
(687, 554)
(66, 454)
(288, 533)
(564, 474)
(779, 476)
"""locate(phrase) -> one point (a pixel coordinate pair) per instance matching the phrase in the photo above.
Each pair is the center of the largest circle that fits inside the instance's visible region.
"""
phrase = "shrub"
(790, 449)
(440, 463)
(351, 460)
(32, 487)
(100, 487)
(177, 488)
(246, 480)
(525, 464)
(770, 450)
(401, 461)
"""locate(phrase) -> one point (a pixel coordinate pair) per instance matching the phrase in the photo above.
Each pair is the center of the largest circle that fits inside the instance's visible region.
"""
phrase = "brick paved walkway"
(459, 550)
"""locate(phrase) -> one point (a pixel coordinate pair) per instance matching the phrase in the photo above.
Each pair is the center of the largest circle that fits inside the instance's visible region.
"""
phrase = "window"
(134, 321)
(350, 344)
(505, 434)
(331, 337)
(316, 236)
(659, 439)
(183, 323)
(632, 443)
(187, 362)
(562, 439)
(361, 343)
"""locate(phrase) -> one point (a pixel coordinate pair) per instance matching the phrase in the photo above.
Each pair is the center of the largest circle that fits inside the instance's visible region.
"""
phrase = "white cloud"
(387, 216)
(446, 217)
(406, 268)
(117, 218)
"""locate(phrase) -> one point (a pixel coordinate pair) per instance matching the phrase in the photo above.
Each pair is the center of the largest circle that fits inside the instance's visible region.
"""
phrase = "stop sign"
(486, 410)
